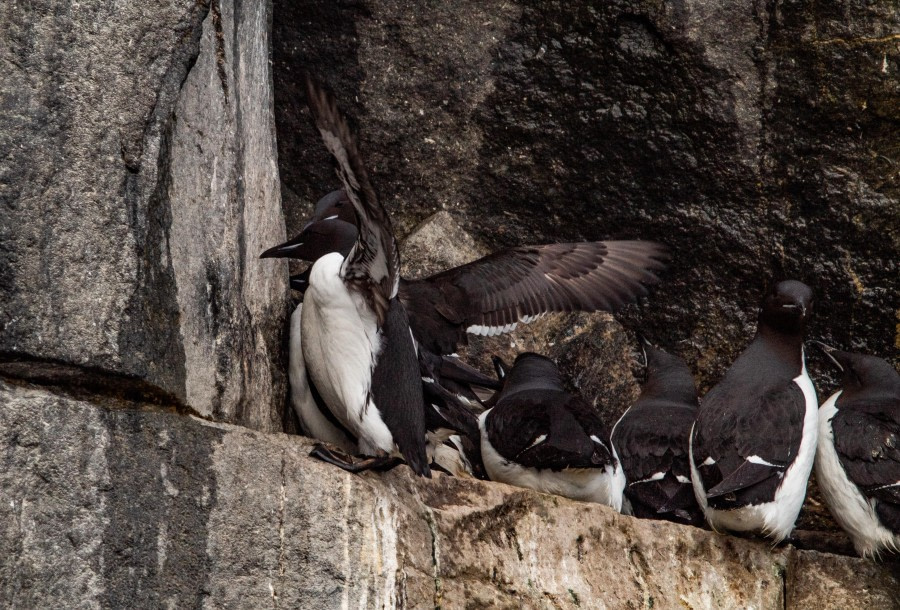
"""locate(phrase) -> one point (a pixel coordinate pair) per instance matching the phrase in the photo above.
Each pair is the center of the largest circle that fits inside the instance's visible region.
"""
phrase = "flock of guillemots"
(375, 378)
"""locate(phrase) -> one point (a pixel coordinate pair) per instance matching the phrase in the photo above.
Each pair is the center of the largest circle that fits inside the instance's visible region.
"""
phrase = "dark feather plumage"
(373, 264)
(652, 438)
(534, 404)
(517, 284)
(397, 389)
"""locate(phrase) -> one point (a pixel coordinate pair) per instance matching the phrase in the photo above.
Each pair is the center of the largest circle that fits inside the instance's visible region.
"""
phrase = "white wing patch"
(538, 440)
(493, 331)
(755, 459)
(656, 476)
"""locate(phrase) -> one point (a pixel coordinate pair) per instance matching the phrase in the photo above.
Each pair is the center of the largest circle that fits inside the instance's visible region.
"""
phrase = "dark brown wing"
(373, 265)
(868, 446)
(491, 295)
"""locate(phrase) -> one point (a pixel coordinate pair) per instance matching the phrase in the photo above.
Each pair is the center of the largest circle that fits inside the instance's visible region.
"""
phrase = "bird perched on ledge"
(540, 436)
(753, 443)
(858, 456)
(651, 440)
(352, 318)
(358, 313)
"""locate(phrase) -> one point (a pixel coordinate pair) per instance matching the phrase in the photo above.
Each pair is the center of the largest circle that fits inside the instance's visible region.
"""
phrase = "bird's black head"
(787, 307)
(859, 371)
(667, 375)
(316, 240)
(335, 204)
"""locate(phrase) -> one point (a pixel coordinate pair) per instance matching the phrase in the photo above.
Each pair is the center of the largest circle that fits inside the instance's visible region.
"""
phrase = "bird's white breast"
(314, 423)
(850, 508)
(341, 343)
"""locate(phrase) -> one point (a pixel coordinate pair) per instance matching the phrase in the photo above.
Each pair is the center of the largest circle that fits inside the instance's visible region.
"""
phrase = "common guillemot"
(540, 436)
(858, 455)
(493, 294)
(651, 440)
(351, 319)
(445, 379)
(754, 439)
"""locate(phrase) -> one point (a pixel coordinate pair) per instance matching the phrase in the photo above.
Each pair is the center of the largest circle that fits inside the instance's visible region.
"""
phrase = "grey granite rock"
(138, 185)
(106, 502)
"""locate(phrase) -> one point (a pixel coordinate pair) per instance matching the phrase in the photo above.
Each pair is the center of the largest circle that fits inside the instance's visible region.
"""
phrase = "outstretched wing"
(373, 265)
(868, 446)
(493, 294)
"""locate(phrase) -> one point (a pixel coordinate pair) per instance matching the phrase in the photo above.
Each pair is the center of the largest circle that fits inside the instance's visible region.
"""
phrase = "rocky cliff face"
(758, 140)
(142, 392)
(138, 186)
(109, 504)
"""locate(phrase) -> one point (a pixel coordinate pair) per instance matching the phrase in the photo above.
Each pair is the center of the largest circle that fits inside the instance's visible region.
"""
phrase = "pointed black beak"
(828, 351)
(287, 249)
(500, 367)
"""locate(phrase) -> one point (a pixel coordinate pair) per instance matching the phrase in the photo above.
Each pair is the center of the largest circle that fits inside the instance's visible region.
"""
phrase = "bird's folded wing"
(868, 447)
(750, 442)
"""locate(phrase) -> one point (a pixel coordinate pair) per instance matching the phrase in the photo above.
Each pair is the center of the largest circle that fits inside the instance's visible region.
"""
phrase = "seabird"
(351, 320)
(753, 443)
(858, 456)
(540, 436)
(651, 440)
(444, 413)
(493, 294)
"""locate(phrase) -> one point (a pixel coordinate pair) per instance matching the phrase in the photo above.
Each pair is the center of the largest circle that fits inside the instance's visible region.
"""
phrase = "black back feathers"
(652, 440)
(537, 424)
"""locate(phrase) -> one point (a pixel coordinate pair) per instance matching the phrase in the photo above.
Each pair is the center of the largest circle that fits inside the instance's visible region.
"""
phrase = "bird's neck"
(787, 347)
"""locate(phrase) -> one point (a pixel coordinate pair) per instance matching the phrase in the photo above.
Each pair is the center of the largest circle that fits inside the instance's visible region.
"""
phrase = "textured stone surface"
(819, 579)
(758, 140)
(138, 184)
(105, 503)
(225, 199)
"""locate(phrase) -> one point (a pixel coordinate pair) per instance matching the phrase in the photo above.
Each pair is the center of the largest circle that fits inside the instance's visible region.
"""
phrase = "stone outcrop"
(105, 503)
(138, 185)
(142, 385)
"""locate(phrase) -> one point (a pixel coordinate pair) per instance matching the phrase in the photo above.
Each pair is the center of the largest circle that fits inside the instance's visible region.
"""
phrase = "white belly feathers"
(340, 345)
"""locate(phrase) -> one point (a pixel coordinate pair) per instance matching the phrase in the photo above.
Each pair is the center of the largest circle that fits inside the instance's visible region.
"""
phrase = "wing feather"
(373, 264)
(519, 284)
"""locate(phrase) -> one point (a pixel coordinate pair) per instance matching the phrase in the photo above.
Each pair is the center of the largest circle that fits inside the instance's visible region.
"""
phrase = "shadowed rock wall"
(758, 139)
(138, 183)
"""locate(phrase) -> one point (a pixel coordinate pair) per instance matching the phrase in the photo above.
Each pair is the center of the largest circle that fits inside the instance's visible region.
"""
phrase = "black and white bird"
(493, 294)
(538, 435)
(858, 456)
(754, 440)
(651, 440)
(447, 382)
(351, 318)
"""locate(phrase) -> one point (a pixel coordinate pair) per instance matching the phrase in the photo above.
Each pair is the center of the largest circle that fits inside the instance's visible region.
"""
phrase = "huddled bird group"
(374, 377)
